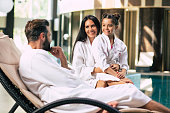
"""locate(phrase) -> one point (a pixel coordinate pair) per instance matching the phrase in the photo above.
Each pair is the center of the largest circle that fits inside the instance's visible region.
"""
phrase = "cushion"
(9, 53)
(11, 71)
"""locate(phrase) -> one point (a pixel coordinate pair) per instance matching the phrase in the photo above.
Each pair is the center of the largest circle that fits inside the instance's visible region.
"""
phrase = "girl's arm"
(124, 63)
(99, 51)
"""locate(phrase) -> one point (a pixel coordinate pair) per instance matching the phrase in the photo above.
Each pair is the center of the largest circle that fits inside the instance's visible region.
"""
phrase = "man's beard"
(46, 45)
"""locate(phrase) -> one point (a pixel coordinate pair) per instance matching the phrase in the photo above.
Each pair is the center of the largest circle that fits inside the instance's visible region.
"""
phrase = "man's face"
(46, 44)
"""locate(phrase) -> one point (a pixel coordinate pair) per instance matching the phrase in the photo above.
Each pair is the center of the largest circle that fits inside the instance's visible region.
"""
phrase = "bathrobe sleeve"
(99, 48)
(124, 58)
(49, 72)
(82, 70)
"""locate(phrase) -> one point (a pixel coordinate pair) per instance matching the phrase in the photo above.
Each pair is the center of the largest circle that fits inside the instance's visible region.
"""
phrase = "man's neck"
(35, 45)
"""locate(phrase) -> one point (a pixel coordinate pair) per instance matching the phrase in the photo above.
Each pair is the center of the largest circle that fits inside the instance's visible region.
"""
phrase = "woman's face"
(108, 27)
(90, 29)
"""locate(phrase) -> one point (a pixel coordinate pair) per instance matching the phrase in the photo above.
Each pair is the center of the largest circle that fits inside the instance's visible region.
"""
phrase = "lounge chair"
(10, 80)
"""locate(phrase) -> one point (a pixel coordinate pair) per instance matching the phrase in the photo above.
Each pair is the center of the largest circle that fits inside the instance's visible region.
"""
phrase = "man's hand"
(57, 52)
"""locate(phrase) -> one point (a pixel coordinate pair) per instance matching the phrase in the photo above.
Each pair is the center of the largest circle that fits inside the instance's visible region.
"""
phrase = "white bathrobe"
(104, 55)
(49, 81)
(83, 64)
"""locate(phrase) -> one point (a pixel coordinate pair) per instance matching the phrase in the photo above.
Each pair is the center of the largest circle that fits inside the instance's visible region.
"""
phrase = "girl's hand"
(120, 75)
(115, 67)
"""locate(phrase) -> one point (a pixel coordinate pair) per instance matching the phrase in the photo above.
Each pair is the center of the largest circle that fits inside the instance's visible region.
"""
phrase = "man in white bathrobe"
(51, 81)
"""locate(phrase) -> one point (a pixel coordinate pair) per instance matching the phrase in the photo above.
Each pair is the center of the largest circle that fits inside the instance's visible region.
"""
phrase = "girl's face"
(90, 29)
(108, 27)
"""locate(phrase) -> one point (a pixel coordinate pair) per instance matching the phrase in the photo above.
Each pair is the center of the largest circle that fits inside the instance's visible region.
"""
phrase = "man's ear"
(42, 36)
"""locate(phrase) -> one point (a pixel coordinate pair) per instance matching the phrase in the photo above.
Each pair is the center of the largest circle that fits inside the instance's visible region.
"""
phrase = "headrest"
(9, 53)
(9, 60)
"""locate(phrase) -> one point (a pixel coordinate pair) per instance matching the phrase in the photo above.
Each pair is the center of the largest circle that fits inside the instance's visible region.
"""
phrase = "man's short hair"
(34, 28)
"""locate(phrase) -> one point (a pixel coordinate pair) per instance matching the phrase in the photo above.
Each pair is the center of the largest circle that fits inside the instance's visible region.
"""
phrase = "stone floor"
(6, 102)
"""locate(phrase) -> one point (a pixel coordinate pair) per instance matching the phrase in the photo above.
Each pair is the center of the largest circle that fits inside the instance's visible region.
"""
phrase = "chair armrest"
(88, 101)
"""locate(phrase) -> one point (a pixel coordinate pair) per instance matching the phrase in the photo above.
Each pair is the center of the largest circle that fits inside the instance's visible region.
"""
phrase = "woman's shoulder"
(98, 38)
(79, 43)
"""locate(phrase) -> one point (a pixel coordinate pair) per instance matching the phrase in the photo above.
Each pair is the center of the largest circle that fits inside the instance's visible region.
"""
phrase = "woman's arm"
(81, 69)
(124, 63)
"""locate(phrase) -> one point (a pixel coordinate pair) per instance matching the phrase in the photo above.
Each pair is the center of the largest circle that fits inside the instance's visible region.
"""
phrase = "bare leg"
(153, 105)
(127, 80)
(112, 103)
(110, 83)
(101, 83)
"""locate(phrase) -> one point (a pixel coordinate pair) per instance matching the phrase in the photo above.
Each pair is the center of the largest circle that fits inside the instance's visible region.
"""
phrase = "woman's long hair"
(82, 36)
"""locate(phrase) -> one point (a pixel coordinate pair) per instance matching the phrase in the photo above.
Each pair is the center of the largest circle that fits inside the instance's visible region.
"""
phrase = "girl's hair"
(82, 36)
(115, 17)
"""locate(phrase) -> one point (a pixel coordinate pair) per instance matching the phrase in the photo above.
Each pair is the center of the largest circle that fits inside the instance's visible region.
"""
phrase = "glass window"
(75, 26)
(26, 10)
(2, 21)
(88, 12)
(66, 37)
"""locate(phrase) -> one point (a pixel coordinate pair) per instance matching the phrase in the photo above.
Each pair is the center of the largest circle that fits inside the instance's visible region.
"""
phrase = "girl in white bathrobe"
(108, 49)
(83, 60)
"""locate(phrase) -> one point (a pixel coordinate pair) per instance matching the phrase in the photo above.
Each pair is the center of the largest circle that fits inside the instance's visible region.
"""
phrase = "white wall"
(66, 6)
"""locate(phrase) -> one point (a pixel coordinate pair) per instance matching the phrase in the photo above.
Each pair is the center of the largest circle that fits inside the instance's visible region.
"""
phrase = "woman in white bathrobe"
(50, 81)
(108, 49)
(83, 60)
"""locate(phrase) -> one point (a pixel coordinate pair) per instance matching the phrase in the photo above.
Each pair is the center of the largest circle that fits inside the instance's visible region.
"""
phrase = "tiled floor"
(6, 102)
